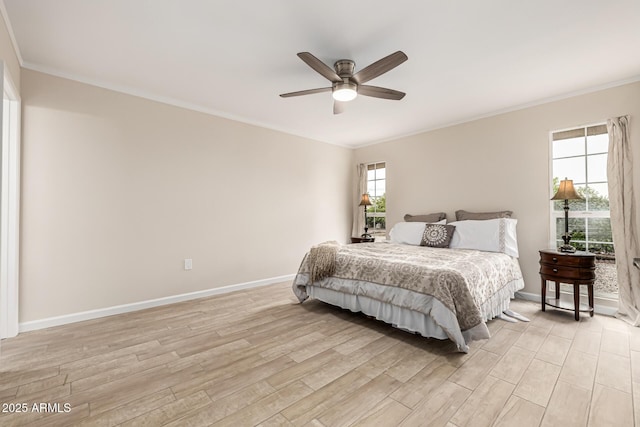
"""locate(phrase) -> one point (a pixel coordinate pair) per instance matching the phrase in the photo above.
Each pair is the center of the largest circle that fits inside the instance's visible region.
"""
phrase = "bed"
(439, 292)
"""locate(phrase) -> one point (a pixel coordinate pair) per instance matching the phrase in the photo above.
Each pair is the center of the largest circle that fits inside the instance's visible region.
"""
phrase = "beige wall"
(118, 190)
(501, 162)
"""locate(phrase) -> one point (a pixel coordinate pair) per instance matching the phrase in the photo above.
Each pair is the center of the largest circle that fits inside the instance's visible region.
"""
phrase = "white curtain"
(623, 218)
(358, 212)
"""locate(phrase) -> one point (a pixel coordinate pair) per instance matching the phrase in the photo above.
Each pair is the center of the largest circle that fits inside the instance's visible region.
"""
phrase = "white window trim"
(602, 304)
(572, 213)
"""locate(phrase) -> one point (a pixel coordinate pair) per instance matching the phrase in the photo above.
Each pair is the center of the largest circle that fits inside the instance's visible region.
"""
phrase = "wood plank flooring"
(256, 357)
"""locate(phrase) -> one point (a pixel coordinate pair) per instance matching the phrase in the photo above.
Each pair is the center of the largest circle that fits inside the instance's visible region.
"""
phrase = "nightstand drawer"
(562, 272)
(362, 239)
(565, 260)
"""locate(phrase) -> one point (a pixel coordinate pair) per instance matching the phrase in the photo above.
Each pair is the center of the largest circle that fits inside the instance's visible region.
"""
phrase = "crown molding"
(494, 113)
(14, 43)
(127, 90)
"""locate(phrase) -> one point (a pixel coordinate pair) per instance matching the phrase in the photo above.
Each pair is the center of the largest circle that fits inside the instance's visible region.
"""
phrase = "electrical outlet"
(188, 264)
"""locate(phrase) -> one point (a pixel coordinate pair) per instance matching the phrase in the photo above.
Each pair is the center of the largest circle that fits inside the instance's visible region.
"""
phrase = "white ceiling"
(232, 58)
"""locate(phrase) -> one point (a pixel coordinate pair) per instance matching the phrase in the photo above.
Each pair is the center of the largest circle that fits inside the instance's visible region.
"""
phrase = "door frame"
(10, 109)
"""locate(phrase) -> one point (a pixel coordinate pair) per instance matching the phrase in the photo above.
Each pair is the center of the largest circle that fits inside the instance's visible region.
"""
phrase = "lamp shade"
(566, 191)
(365, 200)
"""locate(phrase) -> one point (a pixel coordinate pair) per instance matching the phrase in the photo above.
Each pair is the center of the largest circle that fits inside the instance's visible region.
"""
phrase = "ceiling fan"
(346, 85)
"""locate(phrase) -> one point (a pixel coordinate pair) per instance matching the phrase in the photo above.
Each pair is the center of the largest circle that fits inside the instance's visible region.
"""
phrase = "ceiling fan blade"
(305, 92)
(379, 67)
(380, 92)
(338, 107)
(319, 66)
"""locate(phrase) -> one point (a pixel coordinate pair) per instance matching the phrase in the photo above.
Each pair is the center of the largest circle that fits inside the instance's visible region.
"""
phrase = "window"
(376, 187)
(581, 155)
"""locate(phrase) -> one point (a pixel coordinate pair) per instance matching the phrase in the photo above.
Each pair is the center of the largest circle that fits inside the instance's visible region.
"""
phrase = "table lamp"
(365, 202)
(566, 192)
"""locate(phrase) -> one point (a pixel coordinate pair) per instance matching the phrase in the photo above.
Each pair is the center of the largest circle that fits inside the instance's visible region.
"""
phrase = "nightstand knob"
(554, 259)
(555, 270)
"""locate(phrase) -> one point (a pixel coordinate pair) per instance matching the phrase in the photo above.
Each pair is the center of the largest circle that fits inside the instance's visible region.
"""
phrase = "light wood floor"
(257, 358)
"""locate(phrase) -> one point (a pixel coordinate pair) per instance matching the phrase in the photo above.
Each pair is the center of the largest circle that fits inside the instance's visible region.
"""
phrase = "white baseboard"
(607, 310)
(126, 308)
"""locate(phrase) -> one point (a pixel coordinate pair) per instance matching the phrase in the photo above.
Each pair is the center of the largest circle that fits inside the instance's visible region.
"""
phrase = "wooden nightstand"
(577, 269)
(362, 239)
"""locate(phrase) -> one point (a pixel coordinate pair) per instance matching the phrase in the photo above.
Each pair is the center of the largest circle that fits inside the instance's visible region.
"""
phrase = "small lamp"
(365, 202)
(566, 192)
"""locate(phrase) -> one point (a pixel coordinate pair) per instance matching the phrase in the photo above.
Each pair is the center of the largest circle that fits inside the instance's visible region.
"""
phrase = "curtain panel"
(624, 222)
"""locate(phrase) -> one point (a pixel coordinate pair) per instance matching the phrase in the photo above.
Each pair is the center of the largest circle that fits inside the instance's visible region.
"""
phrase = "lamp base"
(567, 248)
(366, 236)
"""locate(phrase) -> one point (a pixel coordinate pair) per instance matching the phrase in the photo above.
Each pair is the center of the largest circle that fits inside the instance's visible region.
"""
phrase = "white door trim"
(9, 205)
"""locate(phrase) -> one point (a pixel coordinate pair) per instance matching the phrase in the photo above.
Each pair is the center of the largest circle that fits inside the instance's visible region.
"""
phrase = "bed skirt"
(433, 320)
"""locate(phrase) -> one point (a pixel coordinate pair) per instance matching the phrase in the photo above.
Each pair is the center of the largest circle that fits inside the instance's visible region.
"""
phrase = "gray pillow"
(464, 215)
(432, 217)
(437, 235)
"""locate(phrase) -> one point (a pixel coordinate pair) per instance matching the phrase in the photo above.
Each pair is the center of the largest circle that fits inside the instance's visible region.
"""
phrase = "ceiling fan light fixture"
(345, 84)
(345, 91)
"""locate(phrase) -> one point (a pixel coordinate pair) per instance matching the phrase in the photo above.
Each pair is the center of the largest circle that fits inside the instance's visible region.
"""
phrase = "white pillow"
(410, 233)
(492, 235)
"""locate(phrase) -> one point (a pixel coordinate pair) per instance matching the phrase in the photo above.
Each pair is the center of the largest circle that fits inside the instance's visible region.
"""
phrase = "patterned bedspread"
(462, 280)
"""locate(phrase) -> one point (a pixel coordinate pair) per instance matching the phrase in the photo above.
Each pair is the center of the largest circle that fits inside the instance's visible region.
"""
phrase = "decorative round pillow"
(437, 235)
